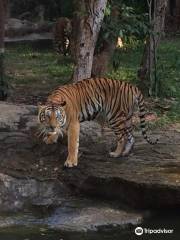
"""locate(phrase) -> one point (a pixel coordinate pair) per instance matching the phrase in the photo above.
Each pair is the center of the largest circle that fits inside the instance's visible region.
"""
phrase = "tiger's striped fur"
(83, 101)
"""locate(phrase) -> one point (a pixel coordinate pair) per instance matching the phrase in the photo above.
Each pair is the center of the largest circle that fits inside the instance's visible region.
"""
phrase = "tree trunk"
(3, 87)
(148, 63)
(87, 23)
(102, 59)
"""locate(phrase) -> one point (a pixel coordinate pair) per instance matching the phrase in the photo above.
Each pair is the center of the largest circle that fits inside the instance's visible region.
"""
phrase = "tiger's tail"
(143, 125)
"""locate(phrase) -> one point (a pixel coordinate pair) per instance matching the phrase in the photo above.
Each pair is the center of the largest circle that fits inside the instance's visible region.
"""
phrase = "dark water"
(157, 221)
(34, 234)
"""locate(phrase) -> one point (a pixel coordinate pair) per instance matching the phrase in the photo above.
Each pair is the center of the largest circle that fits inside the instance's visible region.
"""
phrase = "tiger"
(69, 105)
(61, 35)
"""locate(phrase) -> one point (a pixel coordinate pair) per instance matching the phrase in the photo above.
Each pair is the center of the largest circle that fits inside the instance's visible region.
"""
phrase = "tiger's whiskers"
(43, 132)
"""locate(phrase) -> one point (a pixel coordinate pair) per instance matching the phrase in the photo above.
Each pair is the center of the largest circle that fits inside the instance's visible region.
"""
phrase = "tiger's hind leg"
(130, 139)
(129, 145)
(119, 148)
(119, 130)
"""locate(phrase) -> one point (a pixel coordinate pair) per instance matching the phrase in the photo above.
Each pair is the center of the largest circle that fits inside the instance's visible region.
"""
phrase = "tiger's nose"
(52, 128)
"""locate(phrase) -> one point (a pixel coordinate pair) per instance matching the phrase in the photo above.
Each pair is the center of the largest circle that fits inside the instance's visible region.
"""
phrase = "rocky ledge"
(32, 172)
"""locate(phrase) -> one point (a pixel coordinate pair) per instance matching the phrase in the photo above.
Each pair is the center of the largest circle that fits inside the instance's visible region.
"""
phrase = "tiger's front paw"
(48, 140)
(69, 163)
(114, 154)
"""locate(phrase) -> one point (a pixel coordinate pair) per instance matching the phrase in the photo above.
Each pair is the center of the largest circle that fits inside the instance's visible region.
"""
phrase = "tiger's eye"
(48, 113)
(42, 117)
(58, 114)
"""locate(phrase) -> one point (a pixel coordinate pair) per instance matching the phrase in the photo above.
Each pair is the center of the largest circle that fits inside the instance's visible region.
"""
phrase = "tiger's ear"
(40, 106)
(63, 103)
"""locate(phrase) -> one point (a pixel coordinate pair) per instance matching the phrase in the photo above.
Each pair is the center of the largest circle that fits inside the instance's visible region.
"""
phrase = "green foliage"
(129, 22)
(128, 63)
(131, 43)
(140, 6)
(167, 69)
(67, 8)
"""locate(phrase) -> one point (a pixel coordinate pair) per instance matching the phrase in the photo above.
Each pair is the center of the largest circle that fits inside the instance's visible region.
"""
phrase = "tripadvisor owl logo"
(139, 231)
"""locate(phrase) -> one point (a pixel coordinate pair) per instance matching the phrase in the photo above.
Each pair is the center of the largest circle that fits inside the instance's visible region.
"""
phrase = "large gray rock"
(17, 194)
(75, 215)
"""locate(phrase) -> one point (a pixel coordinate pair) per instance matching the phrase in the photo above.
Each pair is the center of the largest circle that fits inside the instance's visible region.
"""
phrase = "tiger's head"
(52, 119)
